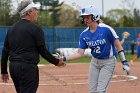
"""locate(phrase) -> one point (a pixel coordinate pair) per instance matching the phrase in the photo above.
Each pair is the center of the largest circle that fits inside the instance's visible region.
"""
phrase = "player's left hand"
(126, 67)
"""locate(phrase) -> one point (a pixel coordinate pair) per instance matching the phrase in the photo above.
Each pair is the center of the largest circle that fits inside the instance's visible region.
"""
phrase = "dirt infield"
(74, 77)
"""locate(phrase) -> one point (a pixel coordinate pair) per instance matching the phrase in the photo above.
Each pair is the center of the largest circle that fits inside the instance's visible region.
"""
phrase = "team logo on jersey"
(86, 39)
(100, 34)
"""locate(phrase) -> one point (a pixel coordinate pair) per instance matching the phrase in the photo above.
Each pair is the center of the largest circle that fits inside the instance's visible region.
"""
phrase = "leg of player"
(101, 72)
(93, 76)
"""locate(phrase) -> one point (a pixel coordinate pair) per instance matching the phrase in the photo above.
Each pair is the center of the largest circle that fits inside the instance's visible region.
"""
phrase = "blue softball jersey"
(101, 42)
(138, 48)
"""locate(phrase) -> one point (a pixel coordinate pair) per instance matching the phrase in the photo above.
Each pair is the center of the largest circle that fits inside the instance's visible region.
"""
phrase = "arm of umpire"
(48, 56)
(79, 54)
(38, 34)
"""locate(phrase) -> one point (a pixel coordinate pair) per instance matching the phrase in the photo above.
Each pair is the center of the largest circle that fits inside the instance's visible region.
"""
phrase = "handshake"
(61, 60)
(126, 67)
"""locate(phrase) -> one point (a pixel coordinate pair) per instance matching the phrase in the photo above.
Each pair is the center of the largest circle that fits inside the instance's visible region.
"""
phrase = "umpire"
(23, 44)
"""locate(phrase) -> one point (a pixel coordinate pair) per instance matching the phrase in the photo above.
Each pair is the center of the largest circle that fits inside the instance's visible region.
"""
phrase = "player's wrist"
(125, 63)
(122, 56)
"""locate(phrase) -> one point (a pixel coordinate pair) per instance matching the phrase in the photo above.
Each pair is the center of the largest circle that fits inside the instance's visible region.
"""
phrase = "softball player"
(103, 42)
(138, 50)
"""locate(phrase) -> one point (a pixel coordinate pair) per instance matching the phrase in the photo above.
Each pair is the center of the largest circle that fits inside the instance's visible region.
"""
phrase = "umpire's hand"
(61, 63)
(5, 78)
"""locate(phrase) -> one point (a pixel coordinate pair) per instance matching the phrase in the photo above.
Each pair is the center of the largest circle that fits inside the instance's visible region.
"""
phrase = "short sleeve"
(138, 39)
(82, 43)
(112, 36)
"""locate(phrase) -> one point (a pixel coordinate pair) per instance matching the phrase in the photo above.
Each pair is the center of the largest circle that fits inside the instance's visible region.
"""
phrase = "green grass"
(87, 59)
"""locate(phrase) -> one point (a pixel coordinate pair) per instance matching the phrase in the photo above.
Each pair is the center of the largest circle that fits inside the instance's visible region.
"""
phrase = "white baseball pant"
(100, 74)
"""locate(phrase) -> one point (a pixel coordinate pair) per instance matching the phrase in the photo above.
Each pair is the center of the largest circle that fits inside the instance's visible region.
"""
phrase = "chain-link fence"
(69, 37)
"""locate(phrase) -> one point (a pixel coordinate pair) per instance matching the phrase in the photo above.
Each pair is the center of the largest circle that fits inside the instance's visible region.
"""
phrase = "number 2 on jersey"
(97, 50)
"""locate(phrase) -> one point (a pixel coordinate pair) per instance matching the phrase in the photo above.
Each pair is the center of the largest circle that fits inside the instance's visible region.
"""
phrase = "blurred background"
(60, 22)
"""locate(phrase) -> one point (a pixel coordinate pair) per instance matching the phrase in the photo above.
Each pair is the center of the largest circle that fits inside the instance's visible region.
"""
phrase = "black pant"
(25, 77)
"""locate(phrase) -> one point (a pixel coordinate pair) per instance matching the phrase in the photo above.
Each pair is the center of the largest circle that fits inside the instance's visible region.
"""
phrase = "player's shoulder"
(105, 26)
(85, 30)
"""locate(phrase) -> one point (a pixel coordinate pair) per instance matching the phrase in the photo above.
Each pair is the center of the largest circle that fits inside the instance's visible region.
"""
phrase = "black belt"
(103, 58)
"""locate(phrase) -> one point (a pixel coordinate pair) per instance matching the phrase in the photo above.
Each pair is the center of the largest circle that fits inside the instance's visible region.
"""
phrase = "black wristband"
(124, 62)
(122, 55)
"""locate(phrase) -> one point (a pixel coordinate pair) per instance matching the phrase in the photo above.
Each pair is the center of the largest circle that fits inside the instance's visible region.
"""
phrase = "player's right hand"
(126, 67)
(61, 63)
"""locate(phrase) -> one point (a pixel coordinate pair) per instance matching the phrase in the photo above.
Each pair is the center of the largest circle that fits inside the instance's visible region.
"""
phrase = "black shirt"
(23, 43)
